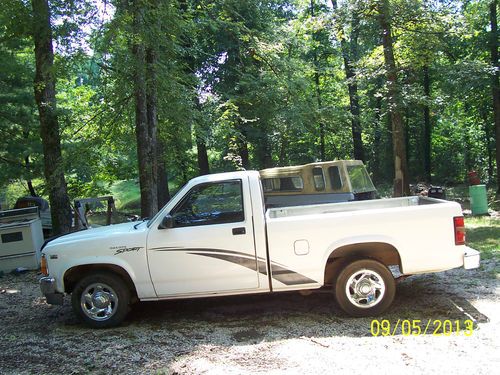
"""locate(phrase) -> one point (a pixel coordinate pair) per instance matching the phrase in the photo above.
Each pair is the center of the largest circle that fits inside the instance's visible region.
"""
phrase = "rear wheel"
(365, 288)
(101, 300)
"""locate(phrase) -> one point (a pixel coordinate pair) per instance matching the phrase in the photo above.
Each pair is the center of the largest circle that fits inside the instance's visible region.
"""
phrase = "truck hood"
(95, 233)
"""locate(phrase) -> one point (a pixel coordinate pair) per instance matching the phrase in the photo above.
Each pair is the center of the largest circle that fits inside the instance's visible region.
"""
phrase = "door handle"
(240, 230)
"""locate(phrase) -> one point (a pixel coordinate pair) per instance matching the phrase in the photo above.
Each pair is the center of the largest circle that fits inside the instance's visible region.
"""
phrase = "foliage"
(240, 76)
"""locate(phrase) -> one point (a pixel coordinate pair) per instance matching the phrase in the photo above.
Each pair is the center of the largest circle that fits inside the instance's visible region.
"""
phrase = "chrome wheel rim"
(99, 301)
(365, 288)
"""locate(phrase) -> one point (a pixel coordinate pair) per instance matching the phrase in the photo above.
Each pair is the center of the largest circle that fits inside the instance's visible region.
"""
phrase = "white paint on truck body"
(258, 252)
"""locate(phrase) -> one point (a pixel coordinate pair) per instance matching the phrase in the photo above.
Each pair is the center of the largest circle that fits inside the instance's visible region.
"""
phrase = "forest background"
(151, 93)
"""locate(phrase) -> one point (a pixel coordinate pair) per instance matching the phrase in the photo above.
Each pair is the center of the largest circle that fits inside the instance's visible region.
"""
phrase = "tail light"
(43, 266)
(459, 224)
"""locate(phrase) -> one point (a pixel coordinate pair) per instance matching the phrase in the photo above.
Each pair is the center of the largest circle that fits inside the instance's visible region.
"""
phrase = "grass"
(127, 195)
(125, 192)
(483, 234)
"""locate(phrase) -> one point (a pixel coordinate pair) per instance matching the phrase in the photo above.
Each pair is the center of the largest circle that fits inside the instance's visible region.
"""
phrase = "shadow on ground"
(157, 334)
(279, 316)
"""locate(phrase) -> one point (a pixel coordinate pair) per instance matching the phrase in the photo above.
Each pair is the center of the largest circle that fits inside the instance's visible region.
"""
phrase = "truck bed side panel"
(302, 239)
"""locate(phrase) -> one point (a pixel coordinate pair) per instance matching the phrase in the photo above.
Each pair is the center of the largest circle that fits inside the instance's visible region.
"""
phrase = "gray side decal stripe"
(245, 262)
(289, 277)
(202, 250)
(231, 256)
(279, 273)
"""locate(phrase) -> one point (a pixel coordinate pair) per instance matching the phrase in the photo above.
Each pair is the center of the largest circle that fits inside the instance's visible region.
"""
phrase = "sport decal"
(124, 249)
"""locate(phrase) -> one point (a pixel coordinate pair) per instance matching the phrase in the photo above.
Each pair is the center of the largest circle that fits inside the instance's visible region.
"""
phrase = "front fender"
(93, 260)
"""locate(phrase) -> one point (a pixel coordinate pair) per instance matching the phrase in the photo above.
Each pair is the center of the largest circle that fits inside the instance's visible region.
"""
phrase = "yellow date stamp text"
(417, 327)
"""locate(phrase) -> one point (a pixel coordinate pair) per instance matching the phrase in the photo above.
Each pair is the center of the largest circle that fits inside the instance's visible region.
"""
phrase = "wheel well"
(75, 274)
(379, 251)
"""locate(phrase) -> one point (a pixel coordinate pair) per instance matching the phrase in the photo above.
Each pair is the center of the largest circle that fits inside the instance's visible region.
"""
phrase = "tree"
(230, 83)
(45, 96)
(495, 84)
(350, 56)
(427, 125)
(318, 87)
(20, 154)
(145, 112)
(401, 180)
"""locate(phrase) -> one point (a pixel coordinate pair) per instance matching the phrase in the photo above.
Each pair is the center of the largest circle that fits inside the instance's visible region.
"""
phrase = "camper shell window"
(360, 180)
(319, 178)
(292, 183)
(335, 180)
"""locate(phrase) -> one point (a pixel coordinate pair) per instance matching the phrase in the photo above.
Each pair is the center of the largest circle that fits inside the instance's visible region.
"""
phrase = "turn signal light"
(459, 224)
(43, 266)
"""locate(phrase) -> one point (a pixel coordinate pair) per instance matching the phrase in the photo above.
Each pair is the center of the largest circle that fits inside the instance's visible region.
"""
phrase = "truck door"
(209, 246)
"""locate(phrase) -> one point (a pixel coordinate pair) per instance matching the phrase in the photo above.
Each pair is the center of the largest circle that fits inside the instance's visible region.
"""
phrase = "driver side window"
(211, 203)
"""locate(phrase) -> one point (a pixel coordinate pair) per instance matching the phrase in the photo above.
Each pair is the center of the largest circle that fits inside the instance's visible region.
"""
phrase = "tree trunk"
(264, 152)
(406, 128)
(203, 166)
(377, 141)
(31, 188)
(243, 152)
(200, 135)
(318, 94)
(152, 116)
(495, 88)
(350, 55)
(190, 67)
(149, 203)
(488, 136)
(401, 181)
(283, 151)
(320, 105)
(45, 96)
(427, 125)
(163, 191)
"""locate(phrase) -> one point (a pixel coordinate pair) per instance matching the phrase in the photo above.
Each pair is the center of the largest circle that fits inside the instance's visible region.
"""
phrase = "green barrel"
(478, 199)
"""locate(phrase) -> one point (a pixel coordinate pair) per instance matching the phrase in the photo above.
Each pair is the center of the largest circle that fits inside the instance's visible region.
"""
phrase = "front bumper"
(471, 258)
(48, 287)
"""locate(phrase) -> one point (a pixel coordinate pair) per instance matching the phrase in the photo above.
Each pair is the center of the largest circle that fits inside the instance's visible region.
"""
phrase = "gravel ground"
(274, 334)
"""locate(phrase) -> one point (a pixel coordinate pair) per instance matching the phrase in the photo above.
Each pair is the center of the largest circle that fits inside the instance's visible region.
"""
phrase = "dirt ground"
(276, 333)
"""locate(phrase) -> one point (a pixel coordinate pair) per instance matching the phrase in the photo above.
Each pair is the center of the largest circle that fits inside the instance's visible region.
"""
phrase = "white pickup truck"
(216, 238)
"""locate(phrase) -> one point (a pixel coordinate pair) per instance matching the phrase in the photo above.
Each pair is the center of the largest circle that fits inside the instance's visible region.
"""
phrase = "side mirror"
(167, 222)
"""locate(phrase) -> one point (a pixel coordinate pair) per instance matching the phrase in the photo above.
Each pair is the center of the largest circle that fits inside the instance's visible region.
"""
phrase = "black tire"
(371, 288)
(107, 300)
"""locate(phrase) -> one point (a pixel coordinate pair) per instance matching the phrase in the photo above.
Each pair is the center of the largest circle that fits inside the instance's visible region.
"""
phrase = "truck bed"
(420, 228)
(375, 204)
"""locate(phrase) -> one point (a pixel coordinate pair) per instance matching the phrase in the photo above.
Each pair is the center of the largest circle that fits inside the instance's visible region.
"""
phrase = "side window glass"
(211, 203)
(335, 180)
(319, 179)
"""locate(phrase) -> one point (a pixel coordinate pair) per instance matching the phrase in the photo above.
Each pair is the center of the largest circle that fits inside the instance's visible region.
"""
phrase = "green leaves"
(241, 77)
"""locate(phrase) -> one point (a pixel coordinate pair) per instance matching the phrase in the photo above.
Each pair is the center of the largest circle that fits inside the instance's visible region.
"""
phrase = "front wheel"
(101, 300)
(365, 288)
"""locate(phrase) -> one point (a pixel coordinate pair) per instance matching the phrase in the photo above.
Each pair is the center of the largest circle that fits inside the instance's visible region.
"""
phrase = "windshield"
(360, 180)
(151, 221)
